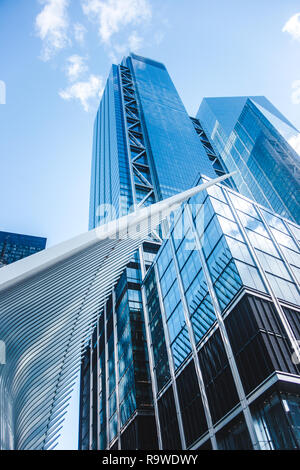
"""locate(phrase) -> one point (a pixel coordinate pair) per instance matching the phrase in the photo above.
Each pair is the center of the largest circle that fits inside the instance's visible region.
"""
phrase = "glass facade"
(110, 177)
(224, 286)
(277, 421)
(141, 126)
(115, 369)
(14, 246)
(202, 323)
(251, 136)
(176, 153)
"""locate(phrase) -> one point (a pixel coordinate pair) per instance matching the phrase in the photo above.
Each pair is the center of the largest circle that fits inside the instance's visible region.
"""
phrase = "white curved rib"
(49, 303)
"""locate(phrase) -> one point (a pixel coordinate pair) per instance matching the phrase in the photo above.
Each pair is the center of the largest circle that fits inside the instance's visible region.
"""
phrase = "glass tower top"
(141, 111)
(252, 136)
(177, 154)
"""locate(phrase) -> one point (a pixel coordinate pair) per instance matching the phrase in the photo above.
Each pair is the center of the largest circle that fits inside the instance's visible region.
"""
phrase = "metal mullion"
(224, 335)
(171, 361)
(291, 233)
(279, 309)
(152, 367)
(106, 380)
(278, 247)
(116, 356)
(194, 350)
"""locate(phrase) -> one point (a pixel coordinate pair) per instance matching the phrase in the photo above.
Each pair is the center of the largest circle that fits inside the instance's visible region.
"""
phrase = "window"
(277, 421)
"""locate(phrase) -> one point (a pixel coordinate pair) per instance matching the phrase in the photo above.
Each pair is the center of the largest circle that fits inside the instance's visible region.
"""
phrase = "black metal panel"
(157, 332)
(193, 416)
(258, 340)
(140, 434)
(217, 376)
(293, 318)
(234, 436)
(84, 413)
(168, 421)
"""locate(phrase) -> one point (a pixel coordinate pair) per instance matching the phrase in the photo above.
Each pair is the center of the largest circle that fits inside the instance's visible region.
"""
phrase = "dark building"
(14, 246)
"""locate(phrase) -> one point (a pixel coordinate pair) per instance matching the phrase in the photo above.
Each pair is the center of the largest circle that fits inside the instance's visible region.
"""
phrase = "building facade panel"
(140, 123)
(253, 310)
(176, 152)
(251, 137)
(196, 332)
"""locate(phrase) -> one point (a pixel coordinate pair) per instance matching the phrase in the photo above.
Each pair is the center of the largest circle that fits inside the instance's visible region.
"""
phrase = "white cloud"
(113, 15)
(296, 93)
(113, 56)
(135, 42)
(79, 32)
(295, 143)
(158, 37)
(52, 25)
(84, 91)
(75, 67)
(292, 26)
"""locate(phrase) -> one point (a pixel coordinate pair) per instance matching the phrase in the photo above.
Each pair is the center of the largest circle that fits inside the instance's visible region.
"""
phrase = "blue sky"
(55, 58)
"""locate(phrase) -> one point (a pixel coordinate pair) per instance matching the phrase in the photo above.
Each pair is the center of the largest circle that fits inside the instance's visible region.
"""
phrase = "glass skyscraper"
(222, 305)
(14, 246)
(251, 137)
(169, 365)
(145, 149)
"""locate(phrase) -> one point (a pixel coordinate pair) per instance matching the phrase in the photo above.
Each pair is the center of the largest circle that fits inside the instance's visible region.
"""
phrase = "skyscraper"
(145, 149)
(145, 146)
(222, 304)
(251, 136)
(14, 246)
(144, 381)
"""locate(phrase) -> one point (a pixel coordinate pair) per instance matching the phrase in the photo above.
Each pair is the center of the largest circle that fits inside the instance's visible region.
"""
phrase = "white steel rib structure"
(49, 303)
